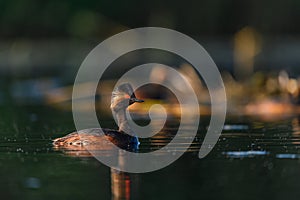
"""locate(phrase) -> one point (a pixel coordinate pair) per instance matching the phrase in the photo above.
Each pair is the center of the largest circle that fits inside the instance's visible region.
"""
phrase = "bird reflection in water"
(124, 186)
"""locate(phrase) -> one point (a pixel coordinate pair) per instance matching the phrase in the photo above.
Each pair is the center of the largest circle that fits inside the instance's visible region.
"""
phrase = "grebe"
(122, 97)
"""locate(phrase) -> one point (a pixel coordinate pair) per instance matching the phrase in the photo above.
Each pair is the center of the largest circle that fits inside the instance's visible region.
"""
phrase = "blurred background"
(256, 46)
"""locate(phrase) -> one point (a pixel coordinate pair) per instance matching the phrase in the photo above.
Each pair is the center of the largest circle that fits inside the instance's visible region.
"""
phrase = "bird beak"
(136, 100)
(133, 99)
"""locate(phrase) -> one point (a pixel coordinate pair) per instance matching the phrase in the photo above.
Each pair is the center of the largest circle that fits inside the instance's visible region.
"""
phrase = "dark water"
(253, 159)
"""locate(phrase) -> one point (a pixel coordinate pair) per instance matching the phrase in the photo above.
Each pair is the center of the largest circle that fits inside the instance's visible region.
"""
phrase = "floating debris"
(288, 156)
(237, 127)
(32, 183)
(245, 154)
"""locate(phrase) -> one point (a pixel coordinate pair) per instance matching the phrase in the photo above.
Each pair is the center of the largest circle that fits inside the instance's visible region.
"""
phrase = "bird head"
(122, 97)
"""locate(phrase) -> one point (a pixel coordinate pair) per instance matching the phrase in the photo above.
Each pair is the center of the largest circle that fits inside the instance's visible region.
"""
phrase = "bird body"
(122, 97)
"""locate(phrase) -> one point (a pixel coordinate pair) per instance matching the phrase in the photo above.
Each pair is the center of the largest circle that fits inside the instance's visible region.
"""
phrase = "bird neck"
(123, 122)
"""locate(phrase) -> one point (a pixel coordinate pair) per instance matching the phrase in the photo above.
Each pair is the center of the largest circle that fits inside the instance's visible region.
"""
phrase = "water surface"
(253, 159)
